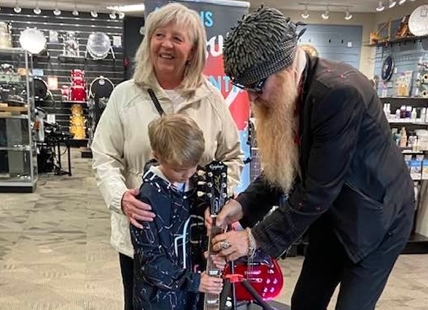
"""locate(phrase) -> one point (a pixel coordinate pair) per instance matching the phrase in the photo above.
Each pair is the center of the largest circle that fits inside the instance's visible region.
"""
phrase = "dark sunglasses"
(256, 87)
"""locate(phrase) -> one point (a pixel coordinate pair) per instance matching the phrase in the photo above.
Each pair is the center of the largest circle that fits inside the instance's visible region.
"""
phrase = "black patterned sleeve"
(151, 262)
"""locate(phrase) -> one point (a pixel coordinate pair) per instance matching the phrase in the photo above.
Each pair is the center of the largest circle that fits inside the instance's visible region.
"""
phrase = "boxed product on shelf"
(425, 169)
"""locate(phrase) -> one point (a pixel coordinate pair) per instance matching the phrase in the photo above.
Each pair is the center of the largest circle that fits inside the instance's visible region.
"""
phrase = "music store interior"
(60, 61)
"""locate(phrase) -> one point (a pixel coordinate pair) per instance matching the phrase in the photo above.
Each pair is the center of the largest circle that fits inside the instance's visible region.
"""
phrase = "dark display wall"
(53, 65)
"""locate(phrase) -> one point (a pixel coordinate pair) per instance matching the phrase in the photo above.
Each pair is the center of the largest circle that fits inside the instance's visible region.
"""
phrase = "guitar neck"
(212, 301)
(255, 168)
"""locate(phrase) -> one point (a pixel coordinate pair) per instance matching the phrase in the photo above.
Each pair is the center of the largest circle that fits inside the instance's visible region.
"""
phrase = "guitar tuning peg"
(200, 194)
(200, 173)
(201, 183)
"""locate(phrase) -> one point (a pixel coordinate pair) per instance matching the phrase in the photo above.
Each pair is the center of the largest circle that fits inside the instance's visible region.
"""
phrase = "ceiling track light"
(380, 7)
(37, 10)
(348, 15)
(57, 12)
(112, 15)
(17, 8)
(305, 14)
(392, 3)
(75, 11)
(401, 2)
(325, 15)
(94, 14)
(121, 15)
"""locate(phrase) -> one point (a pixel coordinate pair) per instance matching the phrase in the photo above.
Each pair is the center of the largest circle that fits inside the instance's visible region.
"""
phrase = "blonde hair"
(183, 18)
(176, 139)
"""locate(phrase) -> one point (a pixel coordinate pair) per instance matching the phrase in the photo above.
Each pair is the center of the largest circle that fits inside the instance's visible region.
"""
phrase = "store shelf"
(406, 121)
(399, 41)
(12, 50)
(26, 148)
(23, 116)
(417, 244)
(402, 98)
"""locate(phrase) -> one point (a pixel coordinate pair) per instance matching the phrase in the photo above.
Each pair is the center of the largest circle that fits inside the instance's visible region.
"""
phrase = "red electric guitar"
(262, 271)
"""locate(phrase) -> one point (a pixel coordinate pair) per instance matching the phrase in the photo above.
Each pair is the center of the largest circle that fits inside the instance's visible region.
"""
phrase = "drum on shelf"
(76, 109)
(40, 89)
(32, 40)
(101, 87)
(98, 45)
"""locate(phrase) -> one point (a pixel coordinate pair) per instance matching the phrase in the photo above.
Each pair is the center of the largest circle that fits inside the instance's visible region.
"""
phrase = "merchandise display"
(18, 163)
(5, 35)
(99, 45)
(32, 40)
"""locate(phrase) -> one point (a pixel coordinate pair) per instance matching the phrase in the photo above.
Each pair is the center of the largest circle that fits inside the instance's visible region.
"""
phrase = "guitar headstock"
(216, 178)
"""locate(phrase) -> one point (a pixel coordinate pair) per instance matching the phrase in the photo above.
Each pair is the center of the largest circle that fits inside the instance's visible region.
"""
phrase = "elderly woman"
(168, 79)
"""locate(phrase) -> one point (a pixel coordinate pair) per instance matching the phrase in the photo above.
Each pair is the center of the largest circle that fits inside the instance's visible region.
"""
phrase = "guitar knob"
(272, 289)
(275, 281)
(265, 290)
(267, 281)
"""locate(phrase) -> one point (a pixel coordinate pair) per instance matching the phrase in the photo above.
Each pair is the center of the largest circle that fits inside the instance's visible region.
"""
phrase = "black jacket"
(160, 280)
(351, 171)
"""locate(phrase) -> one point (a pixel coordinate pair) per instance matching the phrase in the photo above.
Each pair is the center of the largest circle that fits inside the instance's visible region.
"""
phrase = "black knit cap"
(263, 43)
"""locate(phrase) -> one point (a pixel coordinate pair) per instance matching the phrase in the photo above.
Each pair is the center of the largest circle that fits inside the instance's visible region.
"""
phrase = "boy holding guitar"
(164, 275)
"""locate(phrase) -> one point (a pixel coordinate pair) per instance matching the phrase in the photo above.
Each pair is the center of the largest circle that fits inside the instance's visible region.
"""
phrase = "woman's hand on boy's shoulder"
(136, 210)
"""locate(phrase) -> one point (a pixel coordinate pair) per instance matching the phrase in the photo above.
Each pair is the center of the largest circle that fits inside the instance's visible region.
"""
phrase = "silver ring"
(225, 245)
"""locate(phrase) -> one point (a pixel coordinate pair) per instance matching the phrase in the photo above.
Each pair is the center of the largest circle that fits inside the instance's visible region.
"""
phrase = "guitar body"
(264, 275)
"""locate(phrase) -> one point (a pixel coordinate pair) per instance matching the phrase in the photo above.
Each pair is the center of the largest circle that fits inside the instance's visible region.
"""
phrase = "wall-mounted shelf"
(398, 41)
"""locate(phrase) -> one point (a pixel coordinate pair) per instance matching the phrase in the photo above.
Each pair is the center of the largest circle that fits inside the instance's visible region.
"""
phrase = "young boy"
(163, 275)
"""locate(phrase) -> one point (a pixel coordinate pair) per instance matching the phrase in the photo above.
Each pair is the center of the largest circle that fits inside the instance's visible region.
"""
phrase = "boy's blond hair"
(176, 139)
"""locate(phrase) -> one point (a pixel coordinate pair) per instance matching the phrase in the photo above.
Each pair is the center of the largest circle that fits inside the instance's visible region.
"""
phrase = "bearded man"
(326, 147)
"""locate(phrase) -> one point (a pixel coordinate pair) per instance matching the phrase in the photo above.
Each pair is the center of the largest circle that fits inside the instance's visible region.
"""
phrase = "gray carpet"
(55, 253)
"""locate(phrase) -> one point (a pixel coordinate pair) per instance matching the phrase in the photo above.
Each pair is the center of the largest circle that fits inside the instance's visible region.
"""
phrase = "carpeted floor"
(55, 253)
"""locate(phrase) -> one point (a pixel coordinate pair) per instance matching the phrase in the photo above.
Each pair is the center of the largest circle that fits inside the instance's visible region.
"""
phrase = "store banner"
(218, 16)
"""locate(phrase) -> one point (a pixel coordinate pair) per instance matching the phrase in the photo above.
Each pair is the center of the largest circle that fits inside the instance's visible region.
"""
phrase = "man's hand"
(210, 285)
(230, 213)
(136, 210)
(232, 245)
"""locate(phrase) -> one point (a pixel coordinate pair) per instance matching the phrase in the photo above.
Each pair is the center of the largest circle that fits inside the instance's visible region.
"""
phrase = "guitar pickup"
(253, 272)
(214, 273)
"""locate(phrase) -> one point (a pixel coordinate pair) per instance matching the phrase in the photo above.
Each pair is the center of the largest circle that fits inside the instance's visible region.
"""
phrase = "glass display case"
(18, 153)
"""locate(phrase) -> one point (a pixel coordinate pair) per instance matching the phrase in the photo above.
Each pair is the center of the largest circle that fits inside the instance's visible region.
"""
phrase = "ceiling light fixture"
(325, 15)
(37, 10)
(127, 8)
(17, 8)
(56, 12)
(75, 11)
(94, 14)
(380, 7)
(348, 15)
(305, 14)
(392, 3)
(400, 2)
(112, 15)
(121, 15)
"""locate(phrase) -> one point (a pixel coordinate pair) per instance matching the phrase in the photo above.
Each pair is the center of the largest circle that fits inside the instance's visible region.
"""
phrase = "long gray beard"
(276, 131)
